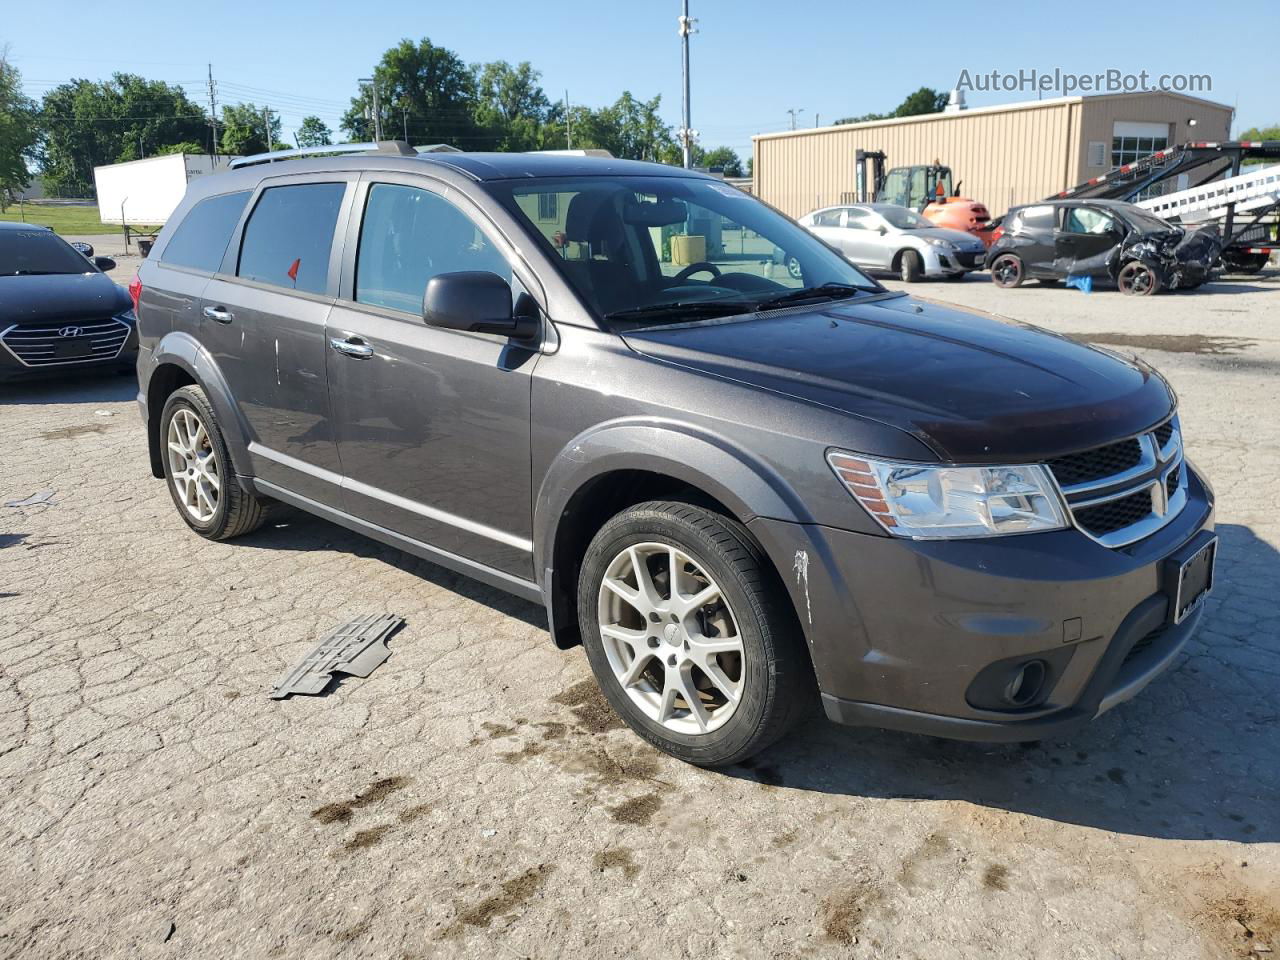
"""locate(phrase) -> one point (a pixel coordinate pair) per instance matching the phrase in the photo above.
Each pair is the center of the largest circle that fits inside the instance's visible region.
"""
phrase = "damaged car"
(1105, 240)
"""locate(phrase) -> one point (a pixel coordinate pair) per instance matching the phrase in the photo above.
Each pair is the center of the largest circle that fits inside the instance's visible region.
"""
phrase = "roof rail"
(395, 147)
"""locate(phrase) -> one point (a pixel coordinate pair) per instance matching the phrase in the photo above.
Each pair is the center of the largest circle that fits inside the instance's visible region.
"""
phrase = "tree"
(426, 88)
(86, 123)
(244, 132)
(510, 104)
(187, 146)
(628, 128)
(314, 133)
(925, 100)
(17, 132)
(724, 157)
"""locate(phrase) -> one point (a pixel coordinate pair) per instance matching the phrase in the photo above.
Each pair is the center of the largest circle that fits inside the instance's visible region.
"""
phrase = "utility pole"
(404, 113)
(815, 120)
(213, 118)
(377, 108)
(568, 123)
(266, 127)
(794, 114)
(686, 132)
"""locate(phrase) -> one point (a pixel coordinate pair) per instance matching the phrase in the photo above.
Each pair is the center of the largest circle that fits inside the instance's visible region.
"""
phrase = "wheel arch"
(603, 473)
(177, 361)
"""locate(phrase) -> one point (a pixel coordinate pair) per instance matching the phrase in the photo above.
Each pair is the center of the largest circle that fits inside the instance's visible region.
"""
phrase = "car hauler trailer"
(1205, 182)
(143, 193)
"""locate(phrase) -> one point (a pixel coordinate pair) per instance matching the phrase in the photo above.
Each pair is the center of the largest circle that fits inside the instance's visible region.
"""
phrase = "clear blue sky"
(752, 60)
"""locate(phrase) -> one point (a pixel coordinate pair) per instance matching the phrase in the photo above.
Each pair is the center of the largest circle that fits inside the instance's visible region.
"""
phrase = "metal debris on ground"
(40, 499)
(356, 648)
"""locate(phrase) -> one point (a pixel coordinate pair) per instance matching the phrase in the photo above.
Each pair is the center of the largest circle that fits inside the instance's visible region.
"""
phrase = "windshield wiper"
(826, 291)
(693, 309)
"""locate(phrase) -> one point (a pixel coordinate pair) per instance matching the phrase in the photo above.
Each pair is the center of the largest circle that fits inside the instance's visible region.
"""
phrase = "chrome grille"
(1122, 492)
(50, 343)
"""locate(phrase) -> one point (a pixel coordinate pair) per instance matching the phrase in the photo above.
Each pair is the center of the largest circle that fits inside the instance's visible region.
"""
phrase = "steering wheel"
(693, 268)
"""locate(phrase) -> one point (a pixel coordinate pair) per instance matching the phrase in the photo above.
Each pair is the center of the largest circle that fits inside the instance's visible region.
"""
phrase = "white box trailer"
(143, 193)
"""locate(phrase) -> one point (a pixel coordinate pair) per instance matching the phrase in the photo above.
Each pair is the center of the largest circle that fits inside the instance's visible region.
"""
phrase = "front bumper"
(910, 634)
(942, 263)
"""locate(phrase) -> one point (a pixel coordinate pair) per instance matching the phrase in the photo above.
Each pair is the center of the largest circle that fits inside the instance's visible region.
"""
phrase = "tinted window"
(202, 237)
(37, 251)
(1035, 218)
(409, 236)
(827, 218)
(289, 235)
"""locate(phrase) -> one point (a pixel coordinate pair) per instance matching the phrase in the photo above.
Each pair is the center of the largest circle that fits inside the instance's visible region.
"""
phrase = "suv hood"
(63, 296)
(975, 388)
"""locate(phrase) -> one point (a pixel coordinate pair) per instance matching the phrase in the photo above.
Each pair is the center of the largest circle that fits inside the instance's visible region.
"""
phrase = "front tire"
(688, 634)
(1136, 279)
(910, 267)
(198, 473)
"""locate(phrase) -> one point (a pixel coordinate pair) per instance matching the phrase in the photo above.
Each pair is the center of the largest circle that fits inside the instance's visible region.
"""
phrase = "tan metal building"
(1001, 156)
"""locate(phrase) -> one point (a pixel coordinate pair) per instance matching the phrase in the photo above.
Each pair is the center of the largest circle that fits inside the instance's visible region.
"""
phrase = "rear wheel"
(1136, 279)
(688, 636)
(794, 269)
(910, 266)
(197, 470)
(1007, 270)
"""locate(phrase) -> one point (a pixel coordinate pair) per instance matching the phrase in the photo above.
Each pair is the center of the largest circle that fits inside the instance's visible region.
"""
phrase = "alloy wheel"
(193, 466)
(671, 639)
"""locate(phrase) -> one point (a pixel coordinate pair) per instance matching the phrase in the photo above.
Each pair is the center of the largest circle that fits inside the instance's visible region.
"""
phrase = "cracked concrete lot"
(476, 797)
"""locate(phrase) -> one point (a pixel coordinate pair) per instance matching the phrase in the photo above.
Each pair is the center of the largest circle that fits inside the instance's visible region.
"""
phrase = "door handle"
(352, 347)
(220, 314)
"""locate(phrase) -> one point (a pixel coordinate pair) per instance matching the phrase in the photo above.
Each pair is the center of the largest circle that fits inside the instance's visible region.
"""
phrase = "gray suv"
(596, 384)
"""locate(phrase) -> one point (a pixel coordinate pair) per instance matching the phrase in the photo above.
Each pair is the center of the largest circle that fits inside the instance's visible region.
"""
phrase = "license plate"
(72, 348)
(1195, 580)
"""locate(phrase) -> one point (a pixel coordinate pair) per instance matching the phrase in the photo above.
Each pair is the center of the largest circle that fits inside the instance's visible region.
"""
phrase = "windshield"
(635, 247)
(1146, 222)
(903, 219)
(28, 252)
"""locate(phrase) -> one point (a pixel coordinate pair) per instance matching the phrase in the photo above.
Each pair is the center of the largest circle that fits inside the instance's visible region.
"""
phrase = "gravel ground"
(476, 797)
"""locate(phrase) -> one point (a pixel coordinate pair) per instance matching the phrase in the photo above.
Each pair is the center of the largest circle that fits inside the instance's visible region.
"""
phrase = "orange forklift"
(925, 188)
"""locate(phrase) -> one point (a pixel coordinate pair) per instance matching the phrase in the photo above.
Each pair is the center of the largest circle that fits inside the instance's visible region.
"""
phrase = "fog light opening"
(1025, 684)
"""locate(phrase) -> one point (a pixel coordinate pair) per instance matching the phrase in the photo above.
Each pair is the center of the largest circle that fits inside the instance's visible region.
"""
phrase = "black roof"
(16, 225)
(512, 166)
(1077, 202)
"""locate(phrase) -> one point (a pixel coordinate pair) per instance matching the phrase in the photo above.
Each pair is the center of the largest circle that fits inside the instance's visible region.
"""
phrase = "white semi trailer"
(142, 194)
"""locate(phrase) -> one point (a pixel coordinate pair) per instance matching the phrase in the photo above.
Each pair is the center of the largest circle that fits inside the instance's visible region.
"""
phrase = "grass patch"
(65, 220)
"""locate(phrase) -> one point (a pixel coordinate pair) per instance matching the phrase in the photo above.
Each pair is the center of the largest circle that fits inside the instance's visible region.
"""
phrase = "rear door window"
(290, 234)
(1035, 219)
(201, 239)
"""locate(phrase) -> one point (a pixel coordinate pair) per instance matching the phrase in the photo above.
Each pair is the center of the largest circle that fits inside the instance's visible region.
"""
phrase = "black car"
(738, 484)
(58, 311)
(1103, 240)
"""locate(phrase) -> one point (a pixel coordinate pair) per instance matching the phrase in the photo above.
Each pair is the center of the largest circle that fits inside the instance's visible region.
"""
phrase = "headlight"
(929, 503)
(938, 242)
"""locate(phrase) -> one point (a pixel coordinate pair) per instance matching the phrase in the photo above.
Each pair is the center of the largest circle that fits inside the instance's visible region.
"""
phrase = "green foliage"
(925, 100)
(425, 87)
(511, 107)
(724, 157)
(17, 132)
(187, 146)
(244, 132)
(89, 123)
(314, 133)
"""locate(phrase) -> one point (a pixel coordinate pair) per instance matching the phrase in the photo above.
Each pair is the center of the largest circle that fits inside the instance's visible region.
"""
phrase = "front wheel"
(910, 267)
(1138, 280)
(688, 635)
(197, 470)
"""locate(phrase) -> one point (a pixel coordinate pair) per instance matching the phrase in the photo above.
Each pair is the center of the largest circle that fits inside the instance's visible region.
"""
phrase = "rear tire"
(1136, 279)
(757, 679)
(910, 267)
(198, 471)
(1007, 271)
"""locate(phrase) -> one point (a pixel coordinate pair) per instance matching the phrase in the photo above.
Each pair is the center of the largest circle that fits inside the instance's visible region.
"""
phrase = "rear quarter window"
(201, 239)
(1034, 218)
(290, 234)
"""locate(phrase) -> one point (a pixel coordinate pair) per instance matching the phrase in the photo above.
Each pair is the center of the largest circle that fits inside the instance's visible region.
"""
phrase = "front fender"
(746, 485)
(181, 350)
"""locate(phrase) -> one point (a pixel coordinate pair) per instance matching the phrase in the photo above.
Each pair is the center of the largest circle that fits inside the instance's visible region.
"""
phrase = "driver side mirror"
(476, 301)
(104, 263)
(883, 230)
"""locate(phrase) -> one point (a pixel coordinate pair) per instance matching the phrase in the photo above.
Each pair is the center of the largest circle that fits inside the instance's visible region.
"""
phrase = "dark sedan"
(59, 313)
(1083, 241)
